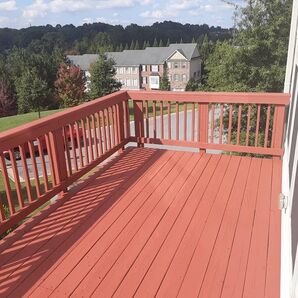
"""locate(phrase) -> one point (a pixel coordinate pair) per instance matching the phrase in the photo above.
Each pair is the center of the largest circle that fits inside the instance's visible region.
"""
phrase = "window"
(154, 68)
(143, 67)
(184, 77)
(183, 64)
(169, 65)
(154, 82)
(144, 80)
(135, 82)
(121, 70)
(176, 78)
(127, 70)
(134, 70)
(176, 65)
(128, 83)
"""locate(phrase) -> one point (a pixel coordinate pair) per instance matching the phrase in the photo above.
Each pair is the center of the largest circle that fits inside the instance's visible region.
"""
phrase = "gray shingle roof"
(151, 55)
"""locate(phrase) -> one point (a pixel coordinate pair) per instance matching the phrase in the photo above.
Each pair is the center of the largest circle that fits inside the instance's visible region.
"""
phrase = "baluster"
(68, 159)
(185, 120)
(94, 135)
(35, 170)
(161, 119)
(177, 121)
(43, 165)
(169, 121)
(90, 142)
(230, 123)
(73, 148)
(147, 118)
(220, 123)
(85, 141)
(99, 133)
(267, 126)
(26, 173)
(154, 119)
(257, 126)
(248, 125)
(212, 123)
(192, 121)
(239, 124)
(79, 135)
(7, 185)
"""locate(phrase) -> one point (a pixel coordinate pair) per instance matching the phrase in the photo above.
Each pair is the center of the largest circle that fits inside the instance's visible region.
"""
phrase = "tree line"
(84, 39)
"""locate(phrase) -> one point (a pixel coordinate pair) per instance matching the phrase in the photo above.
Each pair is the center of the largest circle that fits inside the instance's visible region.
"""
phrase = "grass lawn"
(14, 121)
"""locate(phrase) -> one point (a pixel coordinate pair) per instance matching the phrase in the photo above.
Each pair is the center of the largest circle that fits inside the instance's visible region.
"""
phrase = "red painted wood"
(230, 123)
(278, 127)
(267, 126)
(25, 173)
(147, 220)
(248, 125)
(43, 165)
(257, 125)
(255, 278)
(203, 123)
(272, 288)
(94, 129)
(99, 130)
(192, 121)
(77, 129)
(236, 269)
(185, 121)
(212, 124)
(154, 119)
(161, 119)
(85, 147)
(219, 259)
(139, 121)
(17, 180)
(2, 213)
(195, 274)
(67, 150)
(147, 118)
(169, 121)
(239, 124)
(171, 282)
(35, 170)
(90, 139)
(9, 197)
(220, 123)
(212, 97)
(177, 120)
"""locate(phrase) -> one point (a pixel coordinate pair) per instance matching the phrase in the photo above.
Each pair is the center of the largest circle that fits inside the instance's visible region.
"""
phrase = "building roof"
(151, 55)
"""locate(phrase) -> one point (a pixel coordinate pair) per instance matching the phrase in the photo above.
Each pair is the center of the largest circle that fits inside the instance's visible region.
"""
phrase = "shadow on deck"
(155, 222)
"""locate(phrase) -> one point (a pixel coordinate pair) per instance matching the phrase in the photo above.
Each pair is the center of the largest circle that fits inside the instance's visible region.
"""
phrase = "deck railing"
(42, 159)
(239, 122)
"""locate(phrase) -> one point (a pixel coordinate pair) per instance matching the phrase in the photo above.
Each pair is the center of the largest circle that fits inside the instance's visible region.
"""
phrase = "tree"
(160, 43)
(137, 45)
(165, 83)
(155, 43)
(32, 92)
(193, 40)
(144, 45)
(126, 47)
(7, 101)
(132, 45)
(168, 42)
(103, 77)
(70, 85)
(121, 47)
(192, 85)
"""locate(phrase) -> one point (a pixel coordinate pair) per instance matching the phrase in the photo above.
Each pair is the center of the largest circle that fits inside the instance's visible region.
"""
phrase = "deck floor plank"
(155, 223)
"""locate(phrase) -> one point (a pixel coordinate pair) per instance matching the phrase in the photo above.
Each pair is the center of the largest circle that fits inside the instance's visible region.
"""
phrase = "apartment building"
(143, 69)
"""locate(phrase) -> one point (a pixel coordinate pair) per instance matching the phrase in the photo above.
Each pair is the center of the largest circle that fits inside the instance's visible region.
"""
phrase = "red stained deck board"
(156, 222)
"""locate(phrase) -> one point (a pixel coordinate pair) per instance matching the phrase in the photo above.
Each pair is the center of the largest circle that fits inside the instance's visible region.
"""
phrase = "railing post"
(139, 121)
(203, 124)
(58, 157)
(278, 127)
(120, 116)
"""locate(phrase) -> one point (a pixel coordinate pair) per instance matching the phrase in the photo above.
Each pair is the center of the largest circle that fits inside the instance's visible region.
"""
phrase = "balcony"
(165, 209)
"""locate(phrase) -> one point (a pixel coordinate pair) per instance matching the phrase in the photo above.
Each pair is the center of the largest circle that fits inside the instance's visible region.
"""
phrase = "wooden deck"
(155, 222)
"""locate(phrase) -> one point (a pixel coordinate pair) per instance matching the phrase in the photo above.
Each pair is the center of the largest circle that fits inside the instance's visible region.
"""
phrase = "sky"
(23, 13)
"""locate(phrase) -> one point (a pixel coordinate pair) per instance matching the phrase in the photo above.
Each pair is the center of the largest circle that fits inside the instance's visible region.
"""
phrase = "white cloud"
(8, 5)
(158, 14)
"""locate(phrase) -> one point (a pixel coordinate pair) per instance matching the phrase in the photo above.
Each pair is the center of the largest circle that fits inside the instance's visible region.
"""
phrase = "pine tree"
(70, 85)
(155, 43)
(160, 43)
(121, 47)
(168, 42)
(181, 40)
(165, 83)
(193, 40)
(103, 80)
(144, 44)
(132, 45)
(126, 47)
(137, 46)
